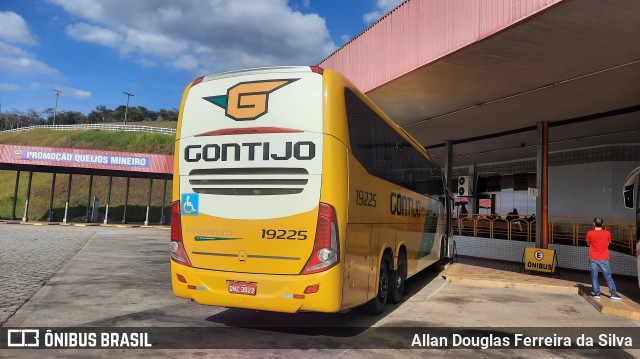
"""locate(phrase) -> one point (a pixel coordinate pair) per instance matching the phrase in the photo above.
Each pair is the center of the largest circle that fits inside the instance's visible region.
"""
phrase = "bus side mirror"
(628, 196)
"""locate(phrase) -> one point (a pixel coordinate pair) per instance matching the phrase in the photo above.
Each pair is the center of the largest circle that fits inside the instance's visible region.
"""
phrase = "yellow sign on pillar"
(538, 259)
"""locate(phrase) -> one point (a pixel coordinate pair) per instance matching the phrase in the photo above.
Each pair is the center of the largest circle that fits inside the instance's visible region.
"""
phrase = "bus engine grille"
(248, 181)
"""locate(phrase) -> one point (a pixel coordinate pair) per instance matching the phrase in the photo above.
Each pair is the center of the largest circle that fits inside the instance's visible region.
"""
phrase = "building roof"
(483, 74)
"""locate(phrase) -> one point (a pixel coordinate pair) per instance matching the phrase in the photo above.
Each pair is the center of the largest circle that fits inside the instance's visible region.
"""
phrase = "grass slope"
(93, 140)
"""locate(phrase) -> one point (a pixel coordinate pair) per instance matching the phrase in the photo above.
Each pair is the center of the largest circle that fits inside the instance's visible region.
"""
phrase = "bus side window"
(386, 154)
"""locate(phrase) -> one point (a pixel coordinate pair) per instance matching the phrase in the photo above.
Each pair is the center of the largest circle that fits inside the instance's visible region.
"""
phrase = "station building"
(530, 106)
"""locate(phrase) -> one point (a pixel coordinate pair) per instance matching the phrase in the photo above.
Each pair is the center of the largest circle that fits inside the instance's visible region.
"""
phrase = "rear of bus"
(252, 226)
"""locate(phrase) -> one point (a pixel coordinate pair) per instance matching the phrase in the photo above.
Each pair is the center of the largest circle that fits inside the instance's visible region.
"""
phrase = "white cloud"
(186, 62)
(34, 85)
(12, 51)
(89, 33)
(13, 33)
(147, 63)
(4, 86)
(13, 29)
(17, 60)
(88, 9)
(213, 35)
(382, 7)
(74, 93)
(155, 44)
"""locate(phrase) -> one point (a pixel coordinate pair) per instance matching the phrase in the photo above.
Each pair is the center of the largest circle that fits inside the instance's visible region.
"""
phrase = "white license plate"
(245, 288)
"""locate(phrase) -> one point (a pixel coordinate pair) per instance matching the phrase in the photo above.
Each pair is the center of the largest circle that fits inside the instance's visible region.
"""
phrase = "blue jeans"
(606, 272)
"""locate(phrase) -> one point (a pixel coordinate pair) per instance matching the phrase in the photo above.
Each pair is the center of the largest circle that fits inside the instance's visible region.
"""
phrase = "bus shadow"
(345, 324)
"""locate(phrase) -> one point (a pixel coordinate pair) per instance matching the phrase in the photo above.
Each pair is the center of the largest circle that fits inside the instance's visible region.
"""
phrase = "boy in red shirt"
(598, 240)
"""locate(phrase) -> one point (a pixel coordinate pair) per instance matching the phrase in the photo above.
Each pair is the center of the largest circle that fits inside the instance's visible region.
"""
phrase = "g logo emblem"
(248, 100)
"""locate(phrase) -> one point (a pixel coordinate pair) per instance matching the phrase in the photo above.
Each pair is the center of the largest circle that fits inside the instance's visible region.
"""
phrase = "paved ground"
(29, 257)
(120, 278)
(480, 272)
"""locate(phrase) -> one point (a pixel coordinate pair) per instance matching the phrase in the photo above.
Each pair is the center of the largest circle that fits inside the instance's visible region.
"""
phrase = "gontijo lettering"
(303, 150)
(401, 205)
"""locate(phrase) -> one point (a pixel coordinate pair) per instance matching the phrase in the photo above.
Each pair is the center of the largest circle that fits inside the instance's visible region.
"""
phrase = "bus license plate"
(245, 288)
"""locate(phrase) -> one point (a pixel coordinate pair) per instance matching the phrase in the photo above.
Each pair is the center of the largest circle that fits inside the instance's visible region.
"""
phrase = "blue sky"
(93, 50)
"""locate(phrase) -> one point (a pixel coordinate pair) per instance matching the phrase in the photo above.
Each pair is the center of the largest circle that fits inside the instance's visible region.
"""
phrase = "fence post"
(475, 227)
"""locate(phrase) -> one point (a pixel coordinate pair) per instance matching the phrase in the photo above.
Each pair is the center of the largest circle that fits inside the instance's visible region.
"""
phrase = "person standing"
(598, 240)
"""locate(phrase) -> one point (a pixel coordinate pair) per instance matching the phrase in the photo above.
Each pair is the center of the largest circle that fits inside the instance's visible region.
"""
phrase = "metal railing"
(101, 126)
(568, 230)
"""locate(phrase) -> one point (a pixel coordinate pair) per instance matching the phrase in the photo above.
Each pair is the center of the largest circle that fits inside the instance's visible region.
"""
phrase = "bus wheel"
(396, 280)
(376, 305)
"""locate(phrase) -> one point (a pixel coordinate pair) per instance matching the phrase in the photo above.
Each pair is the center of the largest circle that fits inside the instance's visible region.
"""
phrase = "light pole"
(126, 109)
(55, 109)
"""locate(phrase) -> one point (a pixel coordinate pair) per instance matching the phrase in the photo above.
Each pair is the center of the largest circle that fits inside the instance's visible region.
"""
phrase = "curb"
(599, 305)
(40, 223)
(510, 284)
(615, 311)
(124, 225)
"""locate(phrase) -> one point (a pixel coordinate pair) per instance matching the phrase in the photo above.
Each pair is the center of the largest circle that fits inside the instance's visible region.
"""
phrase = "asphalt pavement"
(105, 277)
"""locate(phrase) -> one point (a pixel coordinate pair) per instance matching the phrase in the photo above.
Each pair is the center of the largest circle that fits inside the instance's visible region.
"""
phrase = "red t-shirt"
(599, 244)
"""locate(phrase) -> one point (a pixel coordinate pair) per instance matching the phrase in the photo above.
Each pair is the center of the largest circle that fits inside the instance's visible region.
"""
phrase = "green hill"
(92, 140)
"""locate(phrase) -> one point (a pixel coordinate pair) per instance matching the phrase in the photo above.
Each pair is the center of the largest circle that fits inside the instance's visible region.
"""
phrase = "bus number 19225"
(364, 198)
(290, 234)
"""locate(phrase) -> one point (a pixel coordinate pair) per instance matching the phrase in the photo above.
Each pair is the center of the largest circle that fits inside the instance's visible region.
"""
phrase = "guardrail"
(94, 126)
(563, 230)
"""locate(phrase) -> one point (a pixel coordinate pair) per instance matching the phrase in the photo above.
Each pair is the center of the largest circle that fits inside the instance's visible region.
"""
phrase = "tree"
(68, 118)
(117, 115)
(99, 114)
(139, 113)
(33, 117)
(167, 115)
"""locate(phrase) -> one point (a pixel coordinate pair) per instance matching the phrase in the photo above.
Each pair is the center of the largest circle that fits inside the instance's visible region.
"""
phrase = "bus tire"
(376, 305)
(397, 279)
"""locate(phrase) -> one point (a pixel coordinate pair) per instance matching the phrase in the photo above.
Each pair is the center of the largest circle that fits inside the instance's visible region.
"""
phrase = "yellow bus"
(293, 192)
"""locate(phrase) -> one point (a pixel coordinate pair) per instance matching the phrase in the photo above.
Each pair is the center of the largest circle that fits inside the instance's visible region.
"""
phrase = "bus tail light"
(178, 253)
(326, 248)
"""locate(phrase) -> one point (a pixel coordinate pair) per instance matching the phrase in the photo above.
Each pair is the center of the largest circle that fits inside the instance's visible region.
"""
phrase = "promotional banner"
(94, 159)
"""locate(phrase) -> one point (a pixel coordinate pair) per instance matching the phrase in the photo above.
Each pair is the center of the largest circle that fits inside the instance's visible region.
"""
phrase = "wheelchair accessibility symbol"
(189, 204)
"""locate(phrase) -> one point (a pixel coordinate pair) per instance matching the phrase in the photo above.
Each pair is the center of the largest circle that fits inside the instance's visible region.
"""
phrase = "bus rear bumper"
(277, 293)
